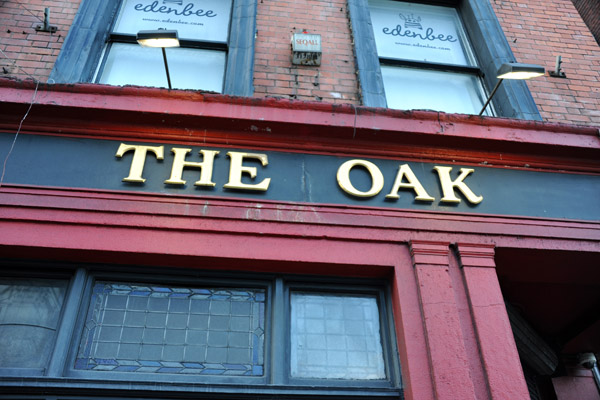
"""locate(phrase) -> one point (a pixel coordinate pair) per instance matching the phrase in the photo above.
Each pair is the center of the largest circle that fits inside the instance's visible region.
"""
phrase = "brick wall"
(274, 75)
(28, 53)
(540, 30)
(590, 12)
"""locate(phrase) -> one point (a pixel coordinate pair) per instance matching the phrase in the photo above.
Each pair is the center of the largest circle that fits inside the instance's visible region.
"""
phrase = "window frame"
(60, 374)
(392, 368)
(93, 277)
(83, 48)
(512, 99)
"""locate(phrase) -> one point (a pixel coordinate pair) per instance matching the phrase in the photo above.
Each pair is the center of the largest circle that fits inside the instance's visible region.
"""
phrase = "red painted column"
(449, 364)
(494, 334)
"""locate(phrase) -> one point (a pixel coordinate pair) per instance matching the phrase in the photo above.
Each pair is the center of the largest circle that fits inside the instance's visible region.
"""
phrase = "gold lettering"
(448, 185)
(404, 172)
(343, 178)
(139, 158)
(179, 163)
(236, 170)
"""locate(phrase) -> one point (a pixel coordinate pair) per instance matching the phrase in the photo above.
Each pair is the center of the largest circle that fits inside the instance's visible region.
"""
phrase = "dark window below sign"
(29, 315)
(251, 334)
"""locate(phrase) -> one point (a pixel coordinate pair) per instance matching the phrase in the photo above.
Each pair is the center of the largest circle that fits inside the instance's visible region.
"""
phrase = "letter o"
(343, 178)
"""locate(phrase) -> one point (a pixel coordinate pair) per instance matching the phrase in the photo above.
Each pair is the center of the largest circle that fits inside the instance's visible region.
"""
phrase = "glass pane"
(335, 337)
(419, 32)
(131, 64)
(416, 89)
(159, 329)
(29, 314)
(193, 19)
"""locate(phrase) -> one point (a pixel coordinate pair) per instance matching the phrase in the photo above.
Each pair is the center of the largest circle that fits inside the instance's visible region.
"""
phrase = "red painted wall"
(578, 385)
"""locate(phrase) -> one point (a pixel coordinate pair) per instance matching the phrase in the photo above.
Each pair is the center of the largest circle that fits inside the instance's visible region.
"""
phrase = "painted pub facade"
(269, 230)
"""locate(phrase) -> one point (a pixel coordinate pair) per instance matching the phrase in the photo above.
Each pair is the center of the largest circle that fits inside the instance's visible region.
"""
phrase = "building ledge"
(151, 114)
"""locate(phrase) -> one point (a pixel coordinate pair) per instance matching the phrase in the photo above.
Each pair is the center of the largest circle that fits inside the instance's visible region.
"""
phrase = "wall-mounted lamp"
(514, 71)
(159, 38)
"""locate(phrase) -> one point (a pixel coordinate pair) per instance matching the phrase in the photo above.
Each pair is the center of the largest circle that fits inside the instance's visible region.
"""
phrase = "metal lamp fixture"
(159, 38)
(514, 71)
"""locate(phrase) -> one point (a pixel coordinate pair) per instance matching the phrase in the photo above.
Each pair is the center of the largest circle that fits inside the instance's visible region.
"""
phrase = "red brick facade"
(274, 75)
(540, 30)
(28, 53)
(537, 30)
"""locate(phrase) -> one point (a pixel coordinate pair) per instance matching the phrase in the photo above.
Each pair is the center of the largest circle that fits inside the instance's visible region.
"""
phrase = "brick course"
(28, 53)
(274, 75)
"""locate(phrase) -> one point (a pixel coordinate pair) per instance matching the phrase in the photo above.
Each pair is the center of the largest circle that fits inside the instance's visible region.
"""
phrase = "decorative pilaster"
(446, 345)
(490, 319)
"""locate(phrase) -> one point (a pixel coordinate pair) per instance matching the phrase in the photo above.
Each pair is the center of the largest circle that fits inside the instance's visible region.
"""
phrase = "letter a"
(413, 183)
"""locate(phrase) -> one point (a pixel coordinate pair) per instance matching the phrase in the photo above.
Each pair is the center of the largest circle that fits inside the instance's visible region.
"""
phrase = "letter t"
(139, 158)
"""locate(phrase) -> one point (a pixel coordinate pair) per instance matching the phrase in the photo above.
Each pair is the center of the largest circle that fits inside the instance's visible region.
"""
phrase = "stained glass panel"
(160, 329)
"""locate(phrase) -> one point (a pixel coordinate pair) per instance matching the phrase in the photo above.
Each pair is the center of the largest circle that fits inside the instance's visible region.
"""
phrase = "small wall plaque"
(306, 49)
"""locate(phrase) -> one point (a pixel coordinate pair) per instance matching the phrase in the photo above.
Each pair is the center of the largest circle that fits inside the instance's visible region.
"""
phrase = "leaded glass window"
(168, 329)
(271, 336)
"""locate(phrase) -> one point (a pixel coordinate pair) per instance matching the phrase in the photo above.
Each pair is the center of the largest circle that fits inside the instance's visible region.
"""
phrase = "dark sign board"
(258, 175)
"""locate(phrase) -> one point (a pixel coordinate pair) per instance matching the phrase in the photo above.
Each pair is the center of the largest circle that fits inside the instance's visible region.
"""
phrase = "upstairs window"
(216, 39)
(434, 55)
(203, 28)
(426, 58)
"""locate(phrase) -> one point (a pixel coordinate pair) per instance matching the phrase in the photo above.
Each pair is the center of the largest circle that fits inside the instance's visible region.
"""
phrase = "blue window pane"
(29, 315)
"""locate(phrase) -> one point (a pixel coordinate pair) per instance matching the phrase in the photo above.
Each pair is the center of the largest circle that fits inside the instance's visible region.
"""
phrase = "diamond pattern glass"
(160, 329)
